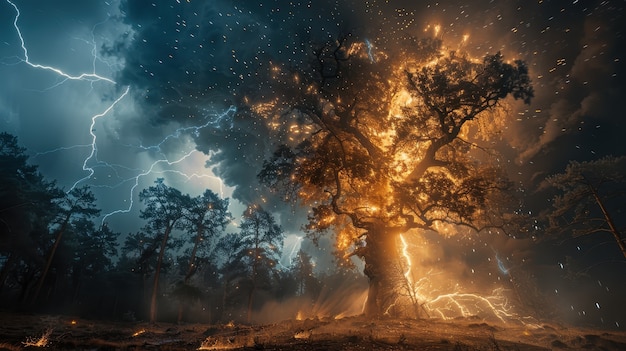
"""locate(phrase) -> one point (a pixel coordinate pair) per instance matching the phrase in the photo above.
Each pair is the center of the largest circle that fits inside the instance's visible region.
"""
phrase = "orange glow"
(139, 332)
(39, 342)
(431, 291)
(437, 29)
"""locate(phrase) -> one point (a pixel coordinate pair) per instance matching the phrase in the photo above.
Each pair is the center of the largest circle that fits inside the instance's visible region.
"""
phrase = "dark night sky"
(162, 76)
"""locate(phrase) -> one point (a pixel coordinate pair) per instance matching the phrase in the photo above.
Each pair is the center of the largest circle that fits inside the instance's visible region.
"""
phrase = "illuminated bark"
(379, 255)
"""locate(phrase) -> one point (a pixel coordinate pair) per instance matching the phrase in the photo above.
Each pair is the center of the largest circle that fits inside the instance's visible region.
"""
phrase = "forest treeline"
(191, 262)
(187, 263)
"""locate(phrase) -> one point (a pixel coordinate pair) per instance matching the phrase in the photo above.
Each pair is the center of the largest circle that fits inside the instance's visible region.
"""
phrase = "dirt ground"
(29, 332)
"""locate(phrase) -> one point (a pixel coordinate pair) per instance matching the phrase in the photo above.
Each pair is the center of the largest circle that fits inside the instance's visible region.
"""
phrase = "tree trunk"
(57, 241)
(8, 265)
(181, 307)
(380, 253)
(250, 300)
(194, 252)
(609, 220)
(157, 271)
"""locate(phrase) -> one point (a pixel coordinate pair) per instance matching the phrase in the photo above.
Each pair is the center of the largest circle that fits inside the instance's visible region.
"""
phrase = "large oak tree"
(380, 143)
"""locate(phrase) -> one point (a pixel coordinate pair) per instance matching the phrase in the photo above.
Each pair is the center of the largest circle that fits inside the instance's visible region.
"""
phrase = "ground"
(29, 332)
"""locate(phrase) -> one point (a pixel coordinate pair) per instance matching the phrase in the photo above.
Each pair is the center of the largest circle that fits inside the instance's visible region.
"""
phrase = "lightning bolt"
(91, 77)
(295, 246)
(471, 304)
(215, 120)
(94, 148)
(458, 303)
(501, 265)
(370, 54)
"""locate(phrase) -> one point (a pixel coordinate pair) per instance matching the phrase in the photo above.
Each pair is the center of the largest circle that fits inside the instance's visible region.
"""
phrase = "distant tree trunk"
(57, 241)
(26, 281)
(181, 306)
(255, 264)
(191, 269)
(250, 300)
(8, 265)
(379, 254)
(194, 252)
(157, 272)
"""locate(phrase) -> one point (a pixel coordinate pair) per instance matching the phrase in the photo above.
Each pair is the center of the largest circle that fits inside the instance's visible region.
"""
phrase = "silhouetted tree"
(255, 250)
(93, 250)
(233, 270)
(389, 146)
(263, 240)
(138, 258)
(26, 207)
(591, 198)
(78, 203)
(164, 209)
(302, 271)
(206, 217)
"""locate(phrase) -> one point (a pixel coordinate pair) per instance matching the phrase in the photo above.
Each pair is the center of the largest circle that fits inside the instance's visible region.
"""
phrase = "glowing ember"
(211, 343)
(41, 342)
(137, 333)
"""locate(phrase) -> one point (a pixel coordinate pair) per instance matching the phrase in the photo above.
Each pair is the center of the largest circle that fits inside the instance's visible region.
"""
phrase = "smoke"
(582, 88)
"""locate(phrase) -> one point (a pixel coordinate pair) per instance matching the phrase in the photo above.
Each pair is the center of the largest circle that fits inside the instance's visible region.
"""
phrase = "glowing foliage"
(42, 341)
(391, 148)
(391, 142)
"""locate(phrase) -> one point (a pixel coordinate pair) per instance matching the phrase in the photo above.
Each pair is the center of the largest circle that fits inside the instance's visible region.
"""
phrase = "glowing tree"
(379, 143)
